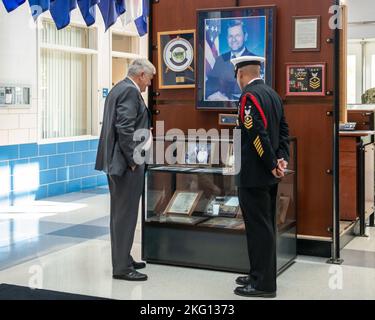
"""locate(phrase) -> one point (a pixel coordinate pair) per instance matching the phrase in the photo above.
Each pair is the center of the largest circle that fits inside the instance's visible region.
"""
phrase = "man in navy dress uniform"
(264, 158)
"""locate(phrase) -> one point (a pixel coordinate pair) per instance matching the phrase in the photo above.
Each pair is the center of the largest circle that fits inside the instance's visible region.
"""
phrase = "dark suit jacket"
(221, 78)
(264, 135)
(124, 113)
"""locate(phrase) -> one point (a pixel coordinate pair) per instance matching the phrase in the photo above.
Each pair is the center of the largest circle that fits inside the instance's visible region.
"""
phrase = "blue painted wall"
(35, 171)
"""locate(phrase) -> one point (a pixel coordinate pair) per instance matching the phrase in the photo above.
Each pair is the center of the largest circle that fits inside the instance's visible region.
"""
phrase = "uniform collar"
(255, 79)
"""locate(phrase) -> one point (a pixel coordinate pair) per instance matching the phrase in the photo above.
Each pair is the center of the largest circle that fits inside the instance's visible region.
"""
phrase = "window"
(66, 62)
(352, 69)
(125, 48)
(373, 71)
(354, 72)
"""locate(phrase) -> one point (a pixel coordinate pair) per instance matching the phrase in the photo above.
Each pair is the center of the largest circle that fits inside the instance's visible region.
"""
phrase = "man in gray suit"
(118, 156)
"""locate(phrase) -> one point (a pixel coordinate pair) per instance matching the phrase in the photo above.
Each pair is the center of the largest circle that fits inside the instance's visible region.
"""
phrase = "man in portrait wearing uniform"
(264, 158)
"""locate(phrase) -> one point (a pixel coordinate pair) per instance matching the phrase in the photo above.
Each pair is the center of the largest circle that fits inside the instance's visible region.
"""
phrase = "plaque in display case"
(183, 202)
(219, 222)
(223, 207)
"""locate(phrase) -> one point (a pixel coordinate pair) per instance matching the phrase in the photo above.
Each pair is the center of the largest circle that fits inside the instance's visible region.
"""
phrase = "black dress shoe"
(249, 291)
(243, 280)
(131, 276)
(138, 265)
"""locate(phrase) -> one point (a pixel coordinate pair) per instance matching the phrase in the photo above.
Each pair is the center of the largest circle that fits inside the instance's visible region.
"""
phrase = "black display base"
(207, 248)
(316, 248)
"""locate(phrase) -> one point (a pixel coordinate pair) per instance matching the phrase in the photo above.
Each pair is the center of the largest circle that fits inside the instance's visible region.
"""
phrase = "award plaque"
(306, 33)
(183, 202)
(176, 59)
(305, 79)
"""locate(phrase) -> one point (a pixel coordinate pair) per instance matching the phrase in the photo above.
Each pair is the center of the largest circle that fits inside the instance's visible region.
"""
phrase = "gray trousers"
(125, 192)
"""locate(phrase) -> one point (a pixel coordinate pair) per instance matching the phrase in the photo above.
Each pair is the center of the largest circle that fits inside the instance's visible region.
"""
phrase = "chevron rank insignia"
(248, 119)
(258, 146)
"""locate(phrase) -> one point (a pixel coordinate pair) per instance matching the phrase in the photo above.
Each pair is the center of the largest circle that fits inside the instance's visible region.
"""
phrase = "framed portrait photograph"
(306, 79)
(306, 33)
(176, 59)
(183, 202)
(223, 34)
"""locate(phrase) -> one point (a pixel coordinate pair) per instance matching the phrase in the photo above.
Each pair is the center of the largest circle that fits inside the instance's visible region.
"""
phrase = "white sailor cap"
(246, 61)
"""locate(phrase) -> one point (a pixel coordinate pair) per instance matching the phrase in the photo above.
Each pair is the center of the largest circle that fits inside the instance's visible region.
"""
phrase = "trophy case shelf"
(191, 217)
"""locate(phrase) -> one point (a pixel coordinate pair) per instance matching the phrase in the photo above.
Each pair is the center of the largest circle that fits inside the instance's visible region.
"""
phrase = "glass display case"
(192, 217)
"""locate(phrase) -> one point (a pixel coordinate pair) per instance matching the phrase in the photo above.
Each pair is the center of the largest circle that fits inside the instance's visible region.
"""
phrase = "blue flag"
(38, 7)
(111, 10)
(141, 22)
(88, 10)
(60, 12)
(10, 5)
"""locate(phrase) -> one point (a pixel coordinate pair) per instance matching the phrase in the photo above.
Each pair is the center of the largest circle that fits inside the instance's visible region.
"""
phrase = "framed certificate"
(305, 79)
(183, 202)
(306, 33)
(176, 59)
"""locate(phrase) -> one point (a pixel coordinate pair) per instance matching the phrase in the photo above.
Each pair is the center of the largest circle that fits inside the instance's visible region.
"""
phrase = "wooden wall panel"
(306, 116)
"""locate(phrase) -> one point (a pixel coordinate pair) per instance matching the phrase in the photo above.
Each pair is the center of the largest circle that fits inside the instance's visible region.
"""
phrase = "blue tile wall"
(63, 167)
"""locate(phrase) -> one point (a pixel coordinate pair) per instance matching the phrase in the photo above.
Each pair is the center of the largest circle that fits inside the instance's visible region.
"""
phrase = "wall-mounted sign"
(176, 59)
(15, 96)
(305, 79)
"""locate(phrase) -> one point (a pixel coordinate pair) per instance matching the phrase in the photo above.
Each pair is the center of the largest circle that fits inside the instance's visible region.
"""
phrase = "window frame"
(92, 73)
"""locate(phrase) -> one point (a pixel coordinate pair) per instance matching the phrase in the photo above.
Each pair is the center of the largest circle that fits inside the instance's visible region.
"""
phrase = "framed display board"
(305, 79)
(176, 59)
(306, 33)
(223, 34)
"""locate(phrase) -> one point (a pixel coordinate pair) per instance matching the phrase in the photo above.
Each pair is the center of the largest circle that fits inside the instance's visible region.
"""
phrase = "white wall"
(359, 11)
(18, 65)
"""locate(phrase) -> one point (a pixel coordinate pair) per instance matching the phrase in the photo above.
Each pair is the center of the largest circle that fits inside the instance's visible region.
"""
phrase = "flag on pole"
(88, 10)
(10, 5)
(111, 10)
(60, 12)
(38, 7)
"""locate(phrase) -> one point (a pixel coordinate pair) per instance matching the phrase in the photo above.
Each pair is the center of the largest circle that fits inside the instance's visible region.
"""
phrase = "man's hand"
(279, 171)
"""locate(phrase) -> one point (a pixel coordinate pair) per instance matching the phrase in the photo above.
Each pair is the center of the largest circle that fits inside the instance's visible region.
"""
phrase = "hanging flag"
(60, 12)
(141, 21)
(38, 7)
(133, 11)
(111, 10)
(88, 10)
(10, 5)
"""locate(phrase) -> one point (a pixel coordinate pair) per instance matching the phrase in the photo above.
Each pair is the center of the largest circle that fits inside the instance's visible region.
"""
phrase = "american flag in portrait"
(211, 43)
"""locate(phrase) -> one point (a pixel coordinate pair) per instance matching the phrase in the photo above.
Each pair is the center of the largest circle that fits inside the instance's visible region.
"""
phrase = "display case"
(191, 216)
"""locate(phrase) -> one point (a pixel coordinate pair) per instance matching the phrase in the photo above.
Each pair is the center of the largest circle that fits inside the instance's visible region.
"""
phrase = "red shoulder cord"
(257, 105)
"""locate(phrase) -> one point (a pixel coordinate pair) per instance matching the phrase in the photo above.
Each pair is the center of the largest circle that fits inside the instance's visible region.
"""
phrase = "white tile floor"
(31, 255)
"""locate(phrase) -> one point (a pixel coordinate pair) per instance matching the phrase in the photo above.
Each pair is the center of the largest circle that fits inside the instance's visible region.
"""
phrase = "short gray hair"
(141, 65)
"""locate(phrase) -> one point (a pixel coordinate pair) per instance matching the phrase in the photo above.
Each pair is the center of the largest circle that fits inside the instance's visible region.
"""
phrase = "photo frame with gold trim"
(183, 202)
(176, 59)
